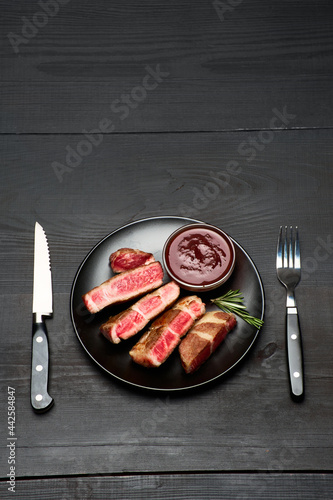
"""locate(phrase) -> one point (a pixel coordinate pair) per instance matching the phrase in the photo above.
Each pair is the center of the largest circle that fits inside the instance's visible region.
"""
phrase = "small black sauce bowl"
(203, 287)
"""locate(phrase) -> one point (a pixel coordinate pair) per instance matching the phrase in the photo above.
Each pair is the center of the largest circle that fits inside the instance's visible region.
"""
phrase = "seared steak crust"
(125, 259)
(204, 337)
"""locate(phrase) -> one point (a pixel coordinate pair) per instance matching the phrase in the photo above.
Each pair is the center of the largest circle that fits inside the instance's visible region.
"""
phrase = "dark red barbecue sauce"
(199, 256)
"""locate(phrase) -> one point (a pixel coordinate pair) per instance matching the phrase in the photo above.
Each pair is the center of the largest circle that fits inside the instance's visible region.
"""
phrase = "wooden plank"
(127, 178)
(221, 72)
(178, 486)
(246, 421)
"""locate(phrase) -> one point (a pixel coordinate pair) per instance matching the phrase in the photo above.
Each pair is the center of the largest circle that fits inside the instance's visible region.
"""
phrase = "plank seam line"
(174, 132)
(298, 473)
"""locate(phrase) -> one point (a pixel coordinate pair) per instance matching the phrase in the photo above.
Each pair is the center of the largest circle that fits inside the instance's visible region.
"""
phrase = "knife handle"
(40, 398)
(295, 353)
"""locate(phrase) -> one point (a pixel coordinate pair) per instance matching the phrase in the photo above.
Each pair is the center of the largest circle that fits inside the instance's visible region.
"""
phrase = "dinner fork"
(288, 268)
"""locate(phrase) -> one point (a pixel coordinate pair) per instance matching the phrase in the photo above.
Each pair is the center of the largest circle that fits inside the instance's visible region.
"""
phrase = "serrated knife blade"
(42, 305)
(42, 293)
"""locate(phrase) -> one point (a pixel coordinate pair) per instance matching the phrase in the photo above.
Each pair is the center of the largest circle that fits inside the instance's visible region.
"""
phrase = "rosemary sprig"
(232, 302)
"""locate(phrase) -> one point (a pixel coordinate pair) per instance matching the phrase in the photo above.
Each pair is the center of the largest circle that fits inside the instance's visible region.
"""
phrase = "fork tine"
(297, 263)
(279, 250)
(291, 249)
(285, 248)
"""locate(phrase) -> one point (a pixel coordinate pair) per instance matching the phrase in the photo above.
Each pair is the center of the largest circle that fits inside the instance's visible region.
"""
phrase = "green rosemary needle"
(232, 302)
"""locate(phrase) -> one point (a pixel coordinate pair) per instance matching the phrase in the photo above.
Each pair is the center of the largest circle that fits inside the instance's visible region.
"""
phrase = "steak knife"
(42, 306)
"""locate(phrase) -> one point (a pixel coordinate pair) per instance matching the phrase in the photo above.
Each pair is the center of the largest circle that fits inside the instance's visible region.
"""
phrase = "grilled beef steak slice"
(156, 345)
(127, 323)
(124, 286)
(125, 259)
(204, 337)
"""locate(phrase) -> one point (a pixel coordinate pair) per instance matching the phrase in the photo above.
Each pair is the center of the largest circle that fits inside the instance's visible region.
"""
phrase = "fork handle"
(295, 353)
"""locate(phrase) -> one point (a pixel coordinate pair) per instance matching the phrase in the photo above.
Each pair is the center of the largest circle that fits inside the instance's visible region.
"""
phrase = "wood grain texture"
(103, 426)
(223, 74)
(131, 177)
(179, 486)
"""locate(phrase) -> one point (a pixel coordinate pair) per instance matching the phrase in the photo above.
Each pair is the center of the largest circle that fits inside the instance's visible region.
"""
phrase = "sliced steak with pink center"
(204, 337)
(156, 345)
(125, 259)
(124, 286)
(128, 323)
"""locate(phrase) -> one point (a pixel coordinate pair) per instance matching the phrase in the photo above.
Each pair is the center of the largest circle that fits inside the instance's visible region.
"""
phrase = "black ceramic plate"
(149, 235)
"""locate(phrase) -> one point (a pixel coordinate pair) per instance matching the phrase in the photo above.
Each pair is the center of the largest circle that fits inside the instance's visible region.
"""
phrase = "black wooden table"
(113, 112)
